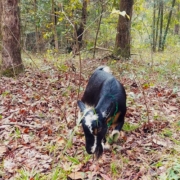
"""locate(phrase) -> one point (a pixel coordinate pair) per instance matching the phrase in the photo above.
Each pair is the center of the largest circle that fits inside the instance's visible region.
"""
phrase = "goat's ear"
(81, 106)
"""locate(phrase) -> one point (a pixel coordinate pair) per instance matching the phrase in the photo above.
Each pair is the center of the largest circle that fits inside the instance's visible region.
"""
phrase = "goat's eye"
(99, 129)
(96, 131)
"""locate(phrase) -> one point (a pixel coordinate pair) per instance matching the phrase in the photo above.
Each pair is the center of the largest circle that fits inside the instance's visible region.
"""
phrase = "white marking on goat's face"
(94, 132)
(89, 118)
(93, 148)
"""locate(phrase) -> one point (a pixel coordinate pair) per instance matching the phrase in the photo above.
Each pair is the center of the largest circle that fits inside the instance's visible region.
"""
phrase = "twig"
(21, 124)
(97, 32)
(144, 96)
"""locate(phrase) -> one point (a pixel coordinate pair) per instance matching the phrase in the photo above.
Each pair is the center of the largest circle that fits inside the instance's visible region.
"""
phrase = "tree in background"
(45, 27)
(99, 24)
(11, 51)
(122, 43)
(167, 26)
(154, 37)
(176, 27)
(36, 28)
(79, 28)
(160, 29)
(161, 10)
(54, 24)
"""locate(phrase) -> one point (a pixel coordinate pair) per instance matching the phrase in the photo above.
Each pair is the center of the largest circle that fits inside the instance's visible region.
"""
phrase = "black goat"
(103, 105)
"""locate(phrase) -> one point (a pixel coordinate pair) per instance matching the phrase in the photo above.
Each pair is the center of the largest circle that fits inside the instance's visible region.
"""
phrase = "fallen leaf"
(105, 177)
(9, 165)
(161, 142)
(77, 175)
(2, 151)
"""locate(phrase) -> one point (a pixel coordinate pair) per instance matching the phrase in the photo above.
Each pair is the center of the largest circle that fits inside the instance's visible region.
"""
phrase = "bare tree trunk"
(168, 23)
(80, 30)
(54, 22)
(176, 27)
(157, 23)
(154, 28)
(161, 6)
(11, 51)
(122, 44)
(99, 24)
(36, 28)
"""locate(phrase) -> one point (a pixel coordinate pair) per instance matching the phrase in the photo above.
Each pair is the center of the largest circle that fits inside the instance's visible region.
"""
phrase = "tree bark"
(11, 50)
(167, 27)
(161, 7)
(36, 28)
(54, 22)
(80, 30)
(176, 27)
(157, 23)
(154, 28)
(99, 24)
(122, 44)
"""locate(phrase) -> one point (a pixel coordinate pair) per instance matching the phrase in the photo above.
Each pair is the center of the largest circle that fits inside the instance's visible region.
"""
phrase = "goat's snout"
(89, 150)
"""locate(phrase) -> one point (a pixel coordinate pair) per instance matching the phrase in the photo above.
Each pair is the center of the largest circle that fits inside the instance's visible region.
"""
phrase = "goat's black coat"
(106, 95)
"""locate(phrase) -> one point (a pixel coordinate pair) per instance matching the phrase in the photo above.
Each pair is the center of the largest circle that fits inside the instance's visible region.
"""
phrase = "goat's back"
(102, 83)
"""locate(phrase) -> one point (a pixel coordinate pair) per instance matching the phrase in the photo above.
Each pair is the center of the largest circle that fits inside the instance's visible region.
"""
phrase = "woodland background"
(49, 48)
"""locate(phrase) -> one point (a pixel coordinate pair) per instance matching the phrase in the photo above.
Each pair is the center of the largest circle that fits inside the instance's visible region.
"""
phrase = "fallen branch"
(21, 124)
(101, 48)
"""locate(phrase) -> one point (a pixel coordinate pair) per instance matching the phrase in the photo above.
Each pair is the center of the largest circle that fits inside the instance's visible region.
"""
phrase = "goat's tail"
(105, 68)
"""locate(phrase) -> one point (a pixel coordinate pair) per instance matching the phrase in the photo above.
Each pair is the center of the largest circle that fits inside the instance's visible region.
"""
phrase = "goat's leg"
(105, 144)
(115, 133)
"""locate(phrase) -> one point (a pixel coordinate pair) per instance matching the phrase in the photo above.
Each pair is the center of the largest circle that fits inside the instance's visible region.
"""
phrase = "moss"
(12, 72)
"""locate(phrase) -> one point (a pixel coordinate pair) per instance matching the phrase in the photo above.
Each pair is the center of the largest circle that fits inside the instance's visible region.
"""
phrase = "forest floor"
(39, 138)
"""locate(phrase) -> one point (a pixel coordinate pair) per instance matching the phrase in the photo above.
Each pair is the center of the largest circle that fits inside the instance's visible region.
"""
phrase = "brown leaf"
(2, 151)
(60, 141)
(77, 175)
(105, 177)
(49, 132)
(26, 130)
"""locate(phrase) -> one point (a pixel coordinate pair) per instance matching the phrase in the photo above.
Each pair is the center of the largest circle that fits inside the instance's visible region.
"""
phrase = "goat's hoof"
(114, 137)
(110, 140)
(107, 146)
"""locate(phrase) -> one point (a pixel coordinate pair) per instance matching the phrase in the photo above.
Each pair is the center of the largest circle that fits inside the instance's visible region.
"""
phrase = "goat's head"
(95, 129)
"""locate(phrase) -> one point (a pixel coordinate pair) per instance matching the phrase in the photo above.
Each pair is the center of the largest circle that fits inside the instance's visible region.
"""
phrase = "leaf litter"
(37, 119)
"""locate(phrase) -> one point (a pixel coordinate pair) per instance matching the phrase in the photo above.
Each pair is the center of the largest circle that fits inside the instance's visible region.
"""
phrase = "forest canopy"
(45, 22)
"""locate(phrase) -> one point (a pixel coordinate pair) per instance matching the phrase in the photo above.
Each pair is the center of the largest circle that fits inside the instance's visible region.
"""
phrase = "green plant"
(174, 172)
(16, 133)
(74, 160)
(129, 127)
(167, 132)
(52, 148)
(57, 173)
(5, 93)
(26, 175)
(113, 167)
